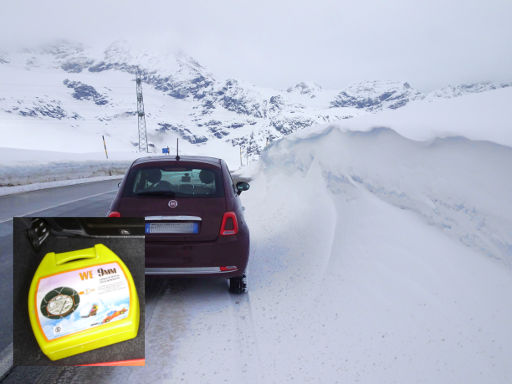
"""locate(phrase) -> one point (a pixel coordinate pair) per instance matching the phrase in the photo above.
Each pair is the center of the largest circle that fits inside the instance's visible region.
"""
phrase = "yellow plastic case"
(82, 300)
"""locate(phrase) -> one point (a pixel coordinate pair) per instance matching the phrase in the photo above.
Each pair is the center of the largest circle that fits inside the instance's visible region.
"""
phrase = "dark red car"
(194, 218)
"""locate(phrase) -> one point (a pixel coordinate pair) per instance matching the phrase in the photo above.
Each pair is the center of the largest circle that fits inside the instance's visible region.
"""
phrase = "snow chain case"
(82, 300)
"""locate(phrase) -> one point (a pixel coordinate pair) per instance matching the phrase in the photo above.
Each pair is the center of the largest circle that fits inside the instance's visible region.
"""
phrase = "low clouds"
(428, 43)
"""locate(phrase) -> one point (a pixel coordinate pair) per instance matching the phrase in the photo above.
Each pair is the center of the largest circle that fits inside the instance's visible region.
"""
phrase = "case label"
(78, 300)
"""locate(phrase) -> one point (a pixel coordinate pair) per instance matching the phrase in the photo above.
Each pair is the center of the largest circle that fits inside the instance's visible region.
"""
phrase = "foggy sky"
(278, 43)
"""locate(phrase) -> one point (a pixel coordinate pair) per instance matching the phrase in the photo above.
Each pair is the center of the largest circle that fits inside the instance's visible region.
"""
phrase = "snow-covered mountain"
(464, 89)
(375, 95)
(71, 92)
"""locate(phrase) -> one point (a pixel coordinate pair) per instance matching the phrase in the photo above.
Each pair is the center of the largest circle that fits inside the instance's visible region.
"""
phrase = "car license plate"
(172, 228)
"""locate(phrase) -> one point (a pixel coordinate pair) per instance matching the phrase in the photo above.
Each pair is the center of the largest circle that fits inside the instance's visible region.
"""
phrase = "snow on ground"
(24, 170)
(28, 157)
(461, 186)
(374, 259)
(20, 168)
(354, 277)
(42, 174)
(479, 116)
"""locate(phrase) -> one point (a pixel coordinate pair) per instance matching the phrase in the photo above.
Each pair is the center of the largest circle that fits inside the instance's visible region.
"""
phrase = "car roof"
(172, 159)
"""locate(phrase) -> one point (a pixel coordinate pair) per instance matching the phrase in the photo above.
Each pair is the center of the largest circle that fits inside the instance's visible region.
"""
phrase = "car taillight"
(228, 268)
(114, 214)
(229, 224)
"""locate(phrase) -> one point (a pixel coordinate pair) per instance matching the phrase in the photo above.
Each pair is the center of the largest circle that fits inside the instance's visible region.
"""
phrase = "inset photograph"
(78, 291)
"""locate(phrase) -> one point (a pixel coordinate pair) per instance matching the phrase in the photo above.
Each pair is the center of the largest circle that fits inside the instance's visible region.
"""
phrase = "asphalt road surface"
(86, 200)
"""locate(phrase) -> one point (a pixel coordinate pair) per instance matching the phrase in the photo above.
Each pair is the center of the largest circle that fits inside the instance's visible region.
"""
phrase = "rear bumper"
(192, 272)
(198, 259)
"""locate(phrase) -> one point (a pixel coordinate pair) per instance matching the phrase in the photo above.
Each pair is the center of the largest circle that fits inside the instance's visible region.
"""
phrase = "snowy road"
(374, 258)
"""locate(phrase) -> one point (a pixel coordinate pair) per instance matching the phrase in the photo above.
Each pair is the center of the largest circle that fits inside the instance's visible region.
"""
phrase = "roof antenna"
(177, 156)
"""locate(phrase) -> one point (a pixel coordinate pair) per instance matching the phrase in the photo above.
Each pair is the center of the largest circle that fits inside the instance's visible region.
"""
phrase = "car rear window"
(175, 182)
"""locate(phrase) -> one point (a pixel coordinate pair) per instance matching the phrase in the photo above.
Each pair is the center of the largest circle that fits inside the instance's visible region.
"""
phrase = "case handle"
(66, 257)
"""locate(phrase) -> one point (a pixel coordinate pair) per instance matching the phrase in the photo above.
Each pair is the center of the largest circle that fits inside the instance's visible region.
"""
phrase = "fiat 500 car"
(194, 223)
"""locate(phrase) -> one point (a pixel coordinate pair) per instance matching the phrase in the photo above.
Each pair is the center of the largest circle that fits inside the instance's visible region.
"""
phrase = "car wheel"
(238, 284)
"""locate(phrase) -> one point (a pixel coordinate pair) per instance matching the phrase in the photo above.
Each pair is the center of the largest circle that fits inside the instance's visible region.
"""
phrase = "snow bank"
(57, 171)
(52, 184)
(461, 186)
(27, 157)
(379, 259)
(44, 169)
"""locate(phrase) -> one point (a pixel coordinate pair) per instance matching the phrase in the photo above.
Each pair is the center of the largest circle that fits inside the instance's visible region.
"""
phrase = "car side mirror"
(242, 186)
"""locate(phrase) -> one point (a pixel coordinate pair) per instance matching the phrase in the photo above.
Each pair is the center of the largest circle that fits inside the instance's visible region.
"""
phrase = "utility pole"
(143, 139)
(241, 155)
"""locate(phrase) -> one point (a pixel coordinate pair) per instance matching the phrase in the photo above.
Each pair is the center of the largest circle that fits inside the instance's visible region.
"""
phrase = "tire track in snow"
(196, 333)
(251, 368)
(166, 320)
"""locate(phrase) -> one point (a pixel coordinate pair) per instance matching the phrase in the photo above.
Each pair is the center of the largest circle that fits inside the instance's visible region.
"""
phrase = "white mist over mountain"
(275, 44)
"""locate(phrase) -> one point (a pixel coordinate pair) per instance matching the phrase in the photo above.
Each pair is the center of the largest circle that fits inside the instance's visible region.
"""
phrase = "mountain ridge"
(93, 86)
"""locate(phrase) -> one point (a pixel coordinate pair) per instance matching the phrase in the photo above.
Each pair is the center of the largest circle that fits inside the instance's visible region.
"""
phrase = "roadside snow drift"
(380, 259)
(462, 187)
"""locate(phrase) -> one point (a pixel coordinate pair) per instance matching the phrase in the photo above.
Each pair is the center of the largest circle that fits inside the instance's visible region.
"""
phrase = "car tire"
(238, 284)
